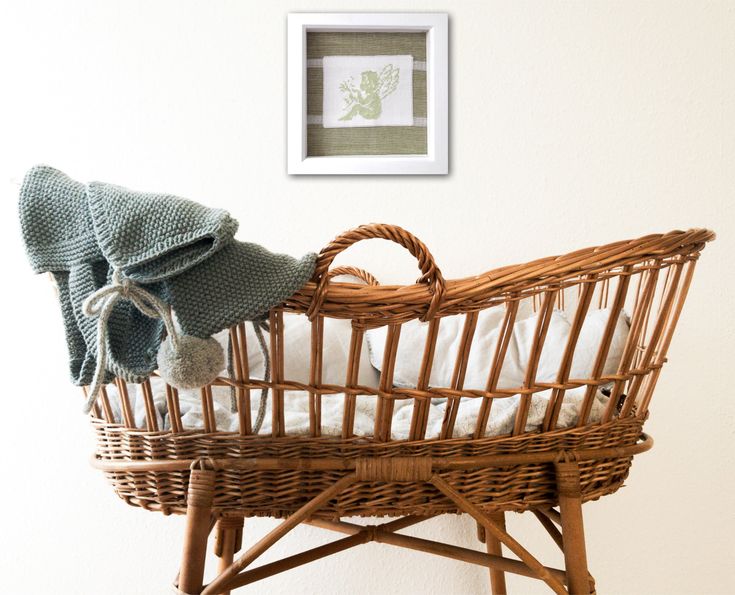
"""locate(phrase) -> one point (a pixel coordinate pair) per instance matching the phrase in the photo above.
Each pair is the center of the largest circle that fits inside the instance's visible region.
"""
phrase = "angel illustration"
(367, 101)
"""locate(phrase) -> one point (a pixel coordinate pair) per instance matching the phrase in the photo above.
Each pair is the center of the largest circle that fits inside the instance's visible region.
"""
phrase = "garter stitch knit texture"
(182, 252)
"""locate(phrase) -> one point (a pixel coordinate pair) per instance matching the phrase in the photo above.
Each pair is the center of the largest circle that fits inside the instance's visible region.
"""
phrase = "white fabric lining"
(337, 336)
(296, 412)
(513, 371)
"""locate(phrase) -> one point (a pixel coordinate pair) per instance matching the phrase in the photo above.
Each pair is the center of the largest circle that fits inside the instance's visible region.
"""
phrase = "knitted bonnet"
(122, 259)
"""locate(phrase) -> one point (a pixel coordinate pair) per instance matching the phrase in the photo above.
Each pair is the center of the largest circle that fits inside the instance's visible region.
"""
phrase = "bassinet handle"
(430, 273)
(361, 274)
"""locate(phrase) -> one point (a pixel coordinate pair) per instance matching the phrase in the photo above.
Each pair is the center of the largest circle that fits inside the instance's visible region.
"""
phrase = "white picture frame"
(436, 159)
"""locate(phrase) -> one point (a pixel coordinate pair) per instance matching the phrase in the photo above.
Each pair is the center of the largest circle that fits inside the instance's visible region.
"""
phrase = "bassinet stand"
(201, 518)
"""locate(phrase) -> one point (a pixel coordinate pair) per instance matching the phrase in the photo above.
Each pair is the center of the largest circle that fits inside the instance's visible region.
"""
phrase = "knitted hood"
(151, 236)
(147, 236)
(183, 253)
(56, 221)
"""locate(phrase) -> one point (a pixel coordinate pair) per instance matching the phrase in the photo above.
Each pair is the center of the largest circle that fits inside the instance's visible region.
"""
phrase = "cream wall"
(572, 123)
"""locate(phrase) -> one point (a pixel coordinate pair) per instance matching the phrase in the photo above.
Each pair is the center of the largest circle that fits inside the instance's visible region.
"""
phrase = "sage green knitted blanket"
(182, 252)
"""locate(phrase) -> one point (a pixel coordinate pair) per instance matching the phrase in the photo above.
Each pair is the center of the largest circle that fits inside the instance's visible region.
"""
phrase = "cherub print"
(365, 91)
(367, 100)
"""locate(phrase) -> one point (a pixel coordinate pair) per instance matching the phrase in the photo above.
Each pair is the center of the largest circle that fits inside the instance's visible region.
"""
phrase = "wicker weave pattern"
(648, 276)
(279, 493)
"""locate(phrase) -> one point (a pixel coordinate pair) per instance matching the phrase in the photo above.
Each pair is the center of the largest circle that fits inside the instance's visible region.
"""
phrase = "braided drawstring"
(266, 374)
(258, 326)
(100, 305)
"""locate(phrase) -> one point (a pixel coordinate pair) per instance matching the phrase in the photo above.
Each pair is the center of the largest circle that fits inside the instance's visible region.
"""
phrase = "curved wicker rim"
(471, 293)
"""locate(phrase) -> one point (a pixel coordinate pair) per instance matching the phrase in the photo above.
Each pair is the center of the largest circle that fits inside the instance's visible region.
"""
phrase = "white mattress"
(296, 412)
(336, 345)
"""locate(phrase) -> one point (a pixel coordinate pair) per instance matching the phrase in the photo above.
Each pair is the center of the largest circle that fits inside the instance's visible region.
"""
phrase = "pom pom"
(195, 363)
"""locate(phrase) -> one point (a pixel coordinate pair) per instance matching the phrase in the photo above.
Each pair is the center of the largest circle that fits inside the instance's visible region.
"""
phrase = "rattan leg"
(570, 507)
(198, 519)
(537, 569)
(302, 514)
(228, 541)
(497, 577)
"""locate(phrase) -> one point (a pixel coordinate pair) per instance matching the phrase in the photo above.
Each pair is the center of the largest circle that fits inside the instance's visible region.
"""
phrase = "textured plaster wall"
(572, 123)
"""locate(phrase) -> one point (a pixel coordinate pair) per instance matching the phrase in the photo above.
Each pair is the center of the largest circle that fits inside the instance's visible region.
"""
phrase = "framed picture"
(368, 93)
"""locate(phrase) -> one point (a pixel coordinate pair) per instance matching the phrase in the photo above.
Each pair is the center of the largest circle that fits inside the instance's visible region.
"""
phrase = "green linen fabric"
(184, 253)
(379, 140)
(362, 43)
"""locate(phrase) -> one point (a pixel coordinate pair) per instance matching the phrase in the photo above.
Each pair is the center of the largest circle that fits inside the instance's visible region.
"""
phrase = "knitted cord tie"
(266, 375)
(258, 327)
(100, 304)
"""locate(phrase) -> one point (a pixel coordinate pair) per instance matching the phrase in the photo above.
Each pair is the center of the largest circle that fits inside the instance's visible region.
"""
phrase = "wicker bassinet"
(217, 478)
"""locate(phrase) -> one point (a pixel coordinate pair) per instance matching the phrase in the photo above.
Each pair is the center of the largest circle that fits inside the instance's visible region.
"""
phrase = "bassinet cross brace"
(202, 516)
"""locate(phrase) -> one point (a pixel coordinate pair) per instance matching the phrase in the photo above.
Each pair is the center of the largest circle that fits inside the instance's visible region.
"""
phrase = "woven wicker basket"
(218, 478)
